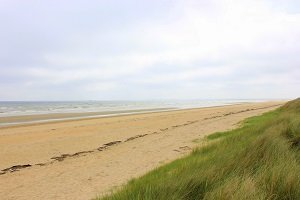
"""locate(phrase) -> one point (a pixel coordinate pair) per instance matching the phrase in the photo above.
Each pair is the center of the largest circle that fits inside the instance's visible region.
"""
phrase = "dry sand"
(81, 159)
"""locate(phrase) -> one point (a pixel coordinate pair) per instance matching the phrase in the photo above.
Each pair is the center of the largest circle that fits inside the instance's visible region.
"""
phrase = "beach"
(83, 158)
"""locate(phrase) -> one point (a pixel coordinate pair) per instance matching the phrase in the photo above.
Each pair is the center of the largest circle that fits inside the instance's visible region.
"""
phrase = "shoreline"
(35, 119)
(30, 119)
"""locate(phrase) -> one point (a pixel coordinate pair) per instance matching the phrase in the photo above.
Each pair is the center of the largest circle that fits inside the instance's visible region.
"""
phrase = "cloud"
(149, 49)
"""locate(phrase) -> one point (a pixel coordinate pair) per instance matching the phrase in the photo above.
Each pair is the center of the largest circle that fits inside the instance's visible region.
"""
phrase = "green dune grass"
(260, 160)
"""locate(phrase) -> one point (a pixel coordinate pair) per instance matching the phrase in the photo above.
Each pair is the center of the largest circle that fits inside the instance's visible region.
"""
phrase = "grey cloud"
(56, 50)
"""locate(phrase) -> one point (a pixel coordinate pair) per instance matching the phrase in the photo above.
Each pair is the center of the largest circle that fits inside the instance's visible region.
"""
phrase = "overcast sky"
(154, 49)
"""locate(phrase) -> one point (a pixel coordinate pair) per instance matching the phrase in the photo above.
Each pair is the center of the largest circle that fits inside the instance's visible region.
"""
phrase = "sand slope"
(80, 159)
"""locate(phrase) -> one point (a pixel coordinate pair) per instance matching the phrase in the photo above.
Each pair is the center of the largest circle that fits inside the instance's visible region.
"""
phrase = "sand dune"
(82, 158)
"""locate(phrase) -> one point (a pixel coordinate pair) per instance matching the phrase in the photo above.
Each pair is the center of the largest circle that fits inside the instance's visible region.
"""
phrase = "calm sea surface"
(17, 108)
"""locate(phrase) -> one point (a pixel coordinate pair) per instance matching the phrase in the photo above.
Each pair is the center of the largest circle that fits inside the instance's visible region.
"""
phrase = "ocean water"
(18, 108)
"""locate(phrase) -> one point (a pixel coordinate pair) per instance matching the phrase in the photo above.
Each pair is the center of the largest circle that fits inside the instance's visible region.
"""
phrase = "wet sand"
(40, 118)
(81, 159)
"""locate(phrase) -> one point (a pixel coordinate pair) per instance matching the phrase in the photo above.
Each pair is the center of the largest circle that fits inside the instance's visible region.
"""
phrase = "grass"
(260, 160)
(217, 135)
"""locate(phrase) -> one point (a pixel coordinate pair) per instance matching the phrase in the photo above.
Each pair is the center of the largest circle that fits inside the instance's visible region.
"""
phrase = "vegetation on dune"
(260, 160)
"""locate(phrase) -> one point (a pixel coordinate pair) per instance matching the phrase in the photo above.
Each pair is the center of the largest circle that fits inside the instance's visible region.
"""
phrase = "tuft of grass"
(260, 160)
(217, 135)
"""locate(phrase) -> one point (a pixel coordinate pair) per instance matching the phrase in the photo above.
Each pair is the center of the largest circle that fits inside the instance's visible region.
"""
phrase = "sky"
(146, 50)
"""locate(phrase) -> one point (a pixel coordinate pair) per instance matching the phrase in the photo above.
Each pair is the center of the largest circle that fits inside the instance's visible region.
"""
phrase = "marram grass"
(260, 160)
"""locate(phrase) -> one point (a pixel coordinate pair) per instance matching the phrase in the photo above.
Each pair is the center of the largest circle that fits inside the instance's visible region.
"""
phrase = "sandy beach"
(83, 158)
